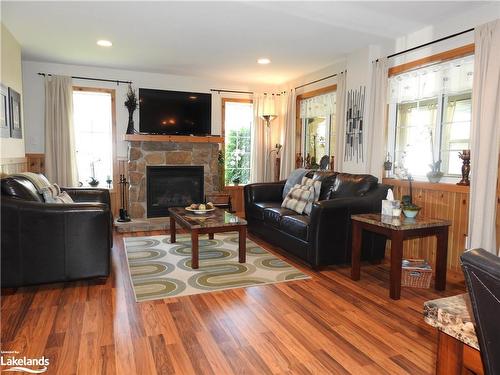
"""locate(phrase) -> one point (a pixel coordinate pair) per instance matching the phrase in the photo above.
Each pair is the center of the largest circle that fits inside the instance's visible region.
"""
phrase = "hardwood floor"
(326, 325)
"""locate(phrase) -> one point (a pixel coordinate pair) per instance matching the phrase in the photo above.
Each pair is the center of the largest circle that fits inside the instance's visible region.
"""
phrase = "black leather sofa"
(48, 242)
(324, 237)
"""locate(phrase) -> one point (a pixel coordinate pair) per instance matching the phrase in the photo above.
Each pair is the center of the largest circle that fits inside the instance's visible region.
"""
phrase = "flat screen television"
(174, 112)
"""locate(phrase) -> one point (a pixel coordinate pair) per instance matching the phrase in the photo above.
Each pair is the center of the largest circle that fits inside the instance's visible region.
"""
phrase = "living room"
(250, 187)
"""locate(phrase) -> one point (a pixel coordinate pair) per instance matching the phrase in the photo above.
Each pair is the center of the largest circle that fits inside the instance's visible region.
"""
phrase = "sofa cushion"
(327, 179)
(296, 225)
(294, 178)
(316, 185)
(272, 216)
(352, 185)
(298, 198)
(256, 210)
(21, 188)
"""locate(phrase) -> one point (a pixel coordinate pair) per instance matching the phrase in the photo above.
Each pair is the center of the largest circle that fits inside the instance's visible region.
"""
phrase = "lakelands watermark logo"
(13, 363)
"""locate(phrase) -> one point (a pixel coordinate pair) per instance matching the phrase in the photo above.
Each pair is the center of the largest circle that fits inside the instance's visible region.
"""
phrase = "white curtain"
(340, 118)
(376, 117)
(320, 105)
(260, 142)
(288, 133)
(60, 155)
(485, 137)
(445, 78)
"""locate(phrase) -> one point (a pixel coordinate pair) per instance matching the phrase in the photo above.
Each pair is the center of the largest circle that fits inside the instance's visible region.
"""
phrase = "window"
(237, 129)
(93, 121)
(430, 117)
(317, 114)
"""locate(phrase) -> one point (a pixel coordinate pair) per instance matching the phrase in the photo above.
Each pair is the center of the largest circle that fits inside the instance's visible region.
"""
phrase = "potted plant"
(131, 103)
(435, 174)
(93, 181)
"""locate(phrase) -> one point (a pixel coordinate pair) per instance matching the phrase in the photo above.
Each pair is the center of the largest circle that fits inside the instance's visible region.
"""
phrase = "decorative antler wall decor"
(353, 150)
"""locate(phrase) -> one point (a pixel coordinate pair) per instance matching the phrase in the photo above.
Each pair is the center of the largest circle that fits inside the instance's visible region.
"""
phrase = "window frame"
(392, 112)
(112, 92)
(299, 126)
(223, 131)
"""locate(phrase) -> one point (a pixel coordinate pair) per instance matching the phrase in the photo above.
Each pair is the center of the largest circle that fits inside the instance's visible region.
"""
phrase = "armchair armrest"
(264, 192)
(88, 195)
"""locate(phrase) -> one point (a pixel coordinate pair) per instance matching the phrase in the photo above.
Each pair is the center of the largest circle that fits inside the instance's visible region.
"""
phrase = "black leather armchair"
(482, 275)
(49, 242)
(324, 237)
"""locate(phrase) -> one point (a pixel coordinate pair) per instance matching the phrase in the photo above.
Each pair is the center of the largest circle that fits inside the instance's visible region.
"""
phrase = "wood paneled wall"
(442, 201)
(13, 165)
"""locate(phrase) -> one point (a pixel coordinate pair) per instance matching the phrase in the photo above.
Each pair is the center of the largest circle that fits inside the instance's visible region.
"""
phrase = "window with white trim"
(430, 117)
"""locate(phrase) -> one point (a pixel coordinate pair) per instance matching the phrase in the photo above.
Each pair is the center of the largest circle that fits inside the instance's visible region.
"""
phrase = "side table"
(398, 230)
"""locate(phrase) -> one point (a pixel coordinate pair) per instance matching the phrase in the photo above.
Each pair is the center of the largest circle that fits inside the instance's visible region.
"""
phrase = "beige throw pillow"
(297, 198)
(316, 186)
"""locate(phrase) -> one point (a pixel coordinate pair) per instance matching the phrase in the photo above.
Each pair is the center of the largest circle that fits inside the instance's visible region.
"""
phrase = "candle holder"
(465, 156)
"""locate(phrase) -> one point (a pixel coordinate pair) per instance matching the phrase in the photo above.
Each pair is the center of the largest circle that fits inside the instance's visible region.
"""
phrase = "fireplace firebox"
(173, 186)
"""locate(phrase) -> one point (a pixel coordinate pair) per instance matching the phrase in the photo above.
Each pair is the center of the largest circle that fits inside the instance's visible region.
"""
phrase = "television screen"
(174, 112)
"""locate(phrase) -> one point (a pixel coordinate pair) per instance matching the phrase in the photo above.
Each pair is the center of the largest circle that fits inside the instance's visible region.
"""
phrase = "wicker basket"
(417, 273)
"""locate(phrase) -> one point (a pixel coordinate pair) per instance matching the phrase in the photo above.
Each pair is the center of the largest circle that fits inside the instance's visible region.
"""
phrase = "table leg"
(210, 236)
(357, 233)
(194, 249)
(242, 246)
(172, 229)
(441, 256)
(449, 359)
(396, 264)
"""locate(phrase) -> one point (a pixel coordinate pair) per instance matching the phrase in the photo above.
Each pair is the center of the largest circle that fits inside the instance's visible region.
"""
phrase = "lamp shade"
(268, 111)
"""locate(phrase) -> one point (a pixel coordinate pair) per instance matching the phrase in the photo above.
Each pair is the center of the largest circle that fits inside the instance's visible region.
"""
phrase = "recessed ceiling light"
(263, 61)
(104, 43)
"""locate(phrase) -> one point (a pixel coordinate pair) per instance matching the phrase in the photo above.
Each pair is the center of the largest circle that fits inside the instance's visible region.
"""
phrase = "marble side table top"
(400, 223)
(453, 316)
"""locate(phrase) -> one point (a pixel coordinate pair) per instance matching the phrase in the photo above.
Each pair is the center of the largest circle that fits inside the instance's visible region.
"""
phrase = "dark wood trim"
(433, 59)
(172, 138)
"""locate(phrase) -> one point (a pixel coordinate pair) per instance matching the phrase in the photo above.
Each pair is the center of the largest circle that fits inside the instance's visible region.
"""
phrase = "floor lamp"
(268, 115)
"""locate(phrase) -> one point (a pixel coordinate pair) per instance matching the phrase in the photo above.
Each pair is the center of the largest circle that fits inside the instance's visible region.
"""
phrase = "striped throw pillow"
(50, 193)
(316, 186)
(297, 198)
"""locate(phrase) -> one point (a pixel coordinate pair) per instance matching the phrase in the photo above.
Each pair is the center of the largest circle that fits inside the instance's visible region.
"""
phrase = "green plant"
(131, 103)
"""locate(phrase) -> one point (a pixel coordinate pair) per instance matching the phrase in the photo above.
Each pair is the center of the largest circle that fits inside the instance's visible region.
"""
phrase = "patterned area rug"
(159, 269)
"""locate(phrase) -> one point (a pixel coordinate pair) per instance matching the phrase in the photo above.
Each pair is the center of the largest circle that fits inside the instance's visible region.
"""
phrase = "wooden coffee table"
(217, 221)
(398, 230)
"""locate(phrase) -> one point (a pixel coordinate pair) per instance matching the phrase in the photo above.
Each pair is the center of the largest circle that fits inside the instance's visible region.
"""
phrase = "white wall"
(34, 95)
(11, 76)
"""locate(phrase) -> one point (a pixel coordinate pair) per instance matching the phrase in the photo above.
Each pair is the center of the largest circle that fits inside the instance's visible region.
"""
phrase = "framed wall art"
(4, 112)
(16, 130)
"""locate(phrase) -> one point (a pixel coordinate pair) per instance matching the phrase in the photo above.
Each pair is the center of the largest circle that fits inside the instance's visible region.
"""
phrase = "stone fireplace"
(172, 186)
(146, 153)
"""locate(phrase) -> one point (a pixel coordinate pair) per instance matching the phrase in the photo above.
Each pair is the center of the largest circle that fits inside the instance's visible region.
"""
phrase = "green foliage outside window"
(237, 156)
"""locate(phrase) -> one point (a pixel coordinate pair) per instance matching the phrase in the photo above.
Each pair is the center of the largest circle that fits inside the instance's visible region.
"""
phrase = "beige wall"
(11, 76)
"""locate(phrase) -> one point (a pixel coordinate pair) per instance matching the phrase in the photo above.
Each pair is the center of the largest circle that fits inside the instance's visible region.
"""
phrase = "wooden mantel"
(172, 138)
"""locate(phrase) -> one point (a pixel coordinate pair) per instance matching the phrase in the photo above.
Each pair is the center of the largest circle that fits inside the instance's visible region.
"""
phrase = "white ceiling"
(214, 39)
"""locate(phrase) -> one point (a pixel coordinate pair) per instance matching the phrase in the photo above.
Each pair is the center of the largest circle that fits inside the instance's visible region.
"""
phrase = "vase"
(434, 177)
(130, 127)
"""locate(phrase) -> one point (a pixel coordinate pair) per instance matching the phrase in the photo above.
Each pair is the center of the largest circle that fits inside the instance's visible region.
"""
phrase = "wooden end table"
(397, 230)
(217, 221)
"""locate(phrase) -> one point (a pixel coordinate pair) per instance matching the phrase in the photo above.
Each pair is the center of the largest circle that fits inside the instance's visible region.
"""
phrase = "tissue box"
(387, 207)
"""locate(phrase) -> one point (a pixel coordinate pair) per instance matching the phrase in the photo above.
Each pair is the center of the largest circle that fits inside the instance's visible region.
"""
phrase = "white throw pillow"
(50, 193)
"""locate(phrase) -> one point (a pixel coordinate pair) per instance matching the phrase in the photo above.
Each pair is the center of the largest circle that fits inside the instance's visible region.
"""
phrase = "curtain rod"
(244, 92)
(117, 81)
(429, 43)
(232, 91)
